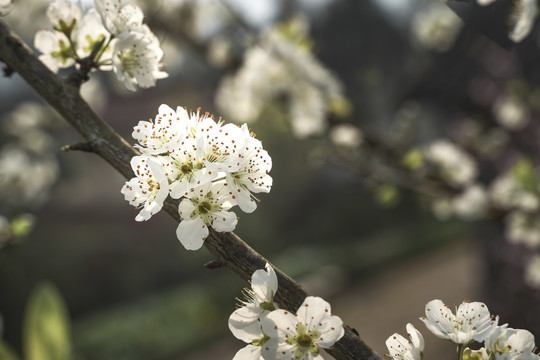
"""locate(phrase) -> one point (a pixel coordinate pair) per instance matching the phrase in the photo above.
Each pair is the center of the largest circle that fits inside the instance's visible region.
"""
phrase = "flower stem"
(460, 349)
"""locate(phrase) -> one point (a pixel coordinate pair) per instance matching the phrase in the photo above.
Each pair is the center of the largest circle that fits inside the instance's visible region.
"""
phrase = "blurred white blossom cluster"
(209, 165)
(282, 65)
(28, 167)
(5, 7)
(112, 35)
(471, 324)
(275, 334)
(436, 27)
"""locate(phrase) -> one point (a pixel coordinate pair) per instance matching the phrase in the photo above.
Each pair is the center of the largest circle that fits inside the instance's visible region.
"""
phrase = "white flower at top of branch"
(64, 15)
(5, 7)
(510, 344)
(471, 322)
(89, 35)
(301, 335)
(149, 189)
(244, 321)
(207, 205)
(400, 348)
(119, 17)
(56, 49)
(137, 60)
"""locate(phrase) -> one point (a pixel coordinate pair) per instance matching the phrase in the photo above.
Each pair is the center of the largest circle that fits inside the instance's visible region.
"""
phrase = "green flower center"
(205, 207)
(186, 168)
(304, 340)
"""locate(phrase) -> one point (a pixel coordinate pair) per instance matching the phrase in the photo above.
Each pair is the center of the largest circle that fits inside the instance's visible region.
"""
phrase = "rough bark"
(227, 248)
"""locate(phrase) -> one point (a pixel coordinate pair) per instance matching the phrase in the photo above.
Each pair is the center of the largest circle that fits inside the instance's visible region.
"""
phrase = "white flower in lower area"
(523, 228)
(452, 164)
(56, 49)
(207, 205)
(136, 60)
(250, 352)
(471, 322)
(532, 272)
(522, 19)
(244, 321)
(400, 348)
(301, 335)
(252, 173)
(5, 7)
(148, 189)
(510, 344)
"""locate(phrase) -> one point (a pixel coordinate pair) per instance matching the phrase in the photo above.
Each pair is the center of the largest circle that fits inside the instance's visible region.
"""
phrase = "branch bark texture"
(227, 248)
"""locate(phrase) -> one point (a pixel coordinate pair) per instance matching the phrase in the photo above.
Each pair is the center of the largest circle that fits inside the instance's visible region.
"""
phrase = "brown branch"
(227, 248)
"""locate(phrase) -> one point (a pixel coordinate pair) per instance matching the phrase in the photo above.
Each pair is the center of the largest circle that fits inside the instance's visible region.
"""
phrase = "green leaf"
(6, 353)
(46, 325)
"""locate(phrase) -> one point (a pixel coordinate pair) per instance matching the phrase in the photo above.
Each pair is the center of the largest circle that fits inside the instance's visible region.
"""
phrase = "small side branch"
(83, 146)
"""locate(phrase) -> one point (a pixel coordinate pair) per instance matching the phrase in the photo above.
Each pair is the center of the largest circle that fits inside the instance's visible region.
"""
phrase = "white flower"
(436, 28)
(244, 321)
(56, 49)
(64, 15)
(136, 60)
(508, 193)
(472, 203)
(523, 228)
(148, 189)
(471, 322)
(301, 335)
(485, 2)
(250, 352)
(89, 33)
(532, 272)
(511, 112)
(510, 344)
(452, 163)
(119, 17)
(346, 135)
(400, 348)
(5, 7)
(207, 205)
(252, 174)
(522, 19)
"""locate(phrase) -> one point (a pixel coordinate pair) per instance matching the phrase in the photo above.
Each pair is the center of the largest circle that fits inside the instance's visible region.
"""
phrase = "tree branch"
(227, 248)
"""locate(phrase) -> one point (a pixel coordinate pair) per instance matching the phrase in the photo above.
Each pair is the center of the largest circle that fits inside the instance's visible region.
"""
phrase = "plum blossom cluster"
(282, 64)
(110, 36)
(210, 166)
(471, 323)
(273, 333)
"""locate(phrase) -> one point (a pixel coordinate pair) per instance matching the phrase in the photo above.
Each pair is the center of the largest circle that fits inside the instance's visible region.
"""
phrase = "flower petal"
(244, 323)
(192, 233)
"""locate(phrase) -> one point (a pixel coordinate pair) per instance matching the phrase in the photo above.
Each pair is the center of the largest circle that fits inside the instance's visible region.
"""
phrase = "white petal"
(264, 283)
(244, 323)
(314, 310)
(279, 323)
(439, 319)
(416, 337)
(273, 349)
(192, 233)
(249, 352)
(224, 221)
(186, 208)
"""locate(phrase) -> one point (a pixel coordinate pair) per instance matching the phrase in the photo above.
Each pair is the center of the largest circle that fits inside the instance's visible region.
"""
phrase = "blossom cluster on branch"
(209, 165)
(273, 333)
(112, 36)
(471, 323)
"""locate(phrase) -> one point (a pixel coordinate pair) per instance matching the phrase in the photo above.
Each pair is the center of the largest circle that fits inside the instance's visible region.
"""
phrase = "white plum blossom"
(136, 60)
(346, 135)
(523, 228)
(252, 173)
(249, 352)
(472, 203)
(244, 321)
(56, 48)
(90, 34)
(301, 335)
(485, 2)
(471, 322)
(64, 15)
(451, 163)
(508, 193)
(119, 17)
(401, 348)
(522, 19)
(511, 112)
(436, 27)
(510, 344)
(5, 7)
(532, 272)
(207, 205)
(149, 189)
